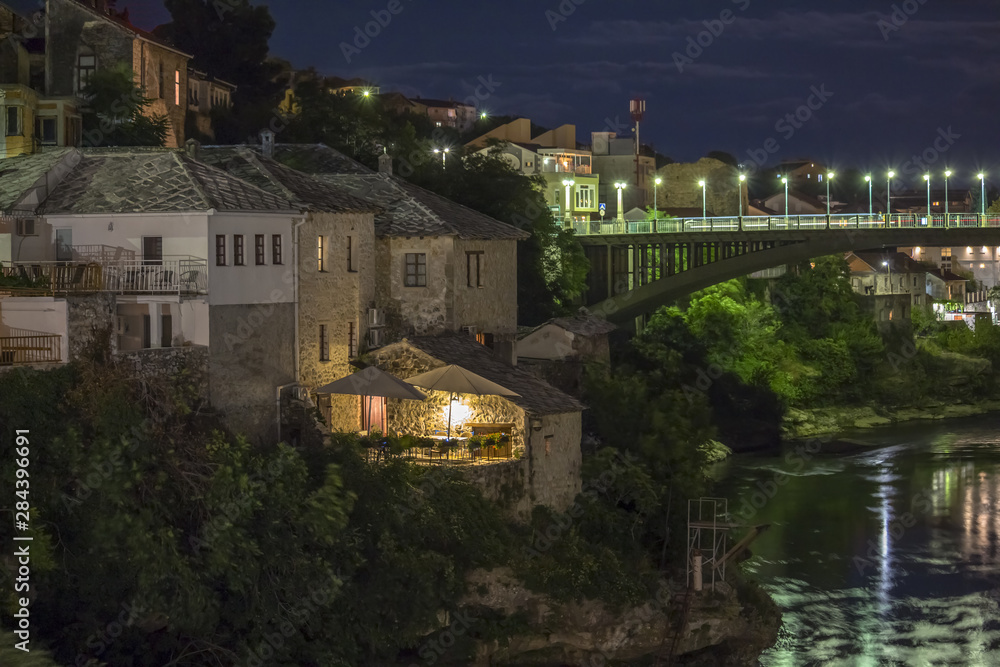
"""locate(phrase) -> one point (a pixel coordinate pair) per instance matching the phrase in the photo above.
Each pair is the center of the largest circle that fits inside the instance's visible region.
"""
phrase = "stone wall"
(491, 308)
(245, 371)
(89, 316)
(555, 459)
(423, 310)
(70, 25)
(160, 61)
(191, 362)
(680, 187)
(504, 484)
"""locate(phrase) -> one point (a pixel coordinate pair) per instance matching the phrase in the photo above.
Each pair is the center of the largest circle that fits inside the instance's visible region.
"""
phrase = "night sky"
(894, 87)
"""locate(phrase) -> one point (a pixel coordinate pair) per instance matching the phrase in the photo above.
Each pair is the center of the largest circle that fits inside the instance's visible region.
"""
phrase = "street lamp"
(569, 183)
(829, 177)
(704, 199)
(784, 180)
(927, 177)
(947, 174)
(888, 196)
(889, 279)
(483, 115)
(656, 190)
(443, 153)
(621, 185)
(871, 209)
(982, 198)
(743, 178)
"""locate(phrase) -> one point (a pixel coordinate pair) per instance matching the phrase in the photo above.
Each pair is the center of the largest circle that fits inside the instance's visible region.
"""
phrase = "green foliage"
(116, 114)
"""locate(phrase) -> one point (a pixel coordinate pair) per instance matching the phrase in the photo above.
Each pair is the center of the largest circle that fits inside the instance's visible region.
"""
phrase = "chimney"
(267, 143)
(385, 164)
(193, 148)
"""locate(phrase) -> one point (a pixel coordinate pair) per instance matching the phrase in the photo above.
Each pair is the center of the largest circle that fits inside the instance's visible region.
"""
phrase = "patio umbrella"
(373, 381)
(458, 380)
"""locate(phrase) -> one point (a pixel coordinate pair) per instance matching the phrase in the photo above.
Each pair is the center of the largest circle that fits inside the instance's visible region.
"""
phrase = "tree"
(229, 40)
(116, 114)
(723, 157)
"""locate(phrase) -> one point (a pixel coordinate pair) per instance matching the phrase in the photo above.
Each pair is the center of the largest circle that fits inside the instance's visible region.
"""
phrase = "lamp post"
(947, 175)
(885, 263)
(982, 198)
(568, 183)
(829, 177)
(888, 196)
(704, 199)
(620, 185)
(927, 177)
(784, 180)
(743, 179)
(656, 190)
(871, 208)
(444, 155)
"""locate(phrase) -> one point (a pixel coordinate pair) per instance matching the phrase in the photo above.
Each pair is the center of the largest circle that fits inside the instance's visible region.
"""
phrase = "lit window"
(320, 252)
(177, 87)
(416, 269)
(585, 197)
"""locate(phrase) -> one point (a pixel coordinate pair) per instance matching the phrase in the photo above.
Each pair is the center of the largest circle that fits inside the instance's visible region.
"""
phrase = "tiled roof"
(584, 325)
(414, 211)
(20, 174)
(317, 159)
(536, 396)
(155, 182)
(899, 262)
(947, 276)
(267, 174)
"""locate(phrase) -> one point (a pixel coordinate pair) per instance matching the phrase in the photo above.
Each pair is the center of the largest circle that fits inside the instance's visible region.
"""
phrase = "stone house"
(544, 422)
(878, 274)
(189, 255)
(680, 189)
(207, 97)
(559, 350)
(337, 312)
(440, 266)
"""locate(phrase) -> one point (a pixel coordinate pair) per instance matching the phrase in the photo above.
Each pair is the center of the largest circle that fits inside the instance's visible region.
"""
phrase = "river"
(890, 556)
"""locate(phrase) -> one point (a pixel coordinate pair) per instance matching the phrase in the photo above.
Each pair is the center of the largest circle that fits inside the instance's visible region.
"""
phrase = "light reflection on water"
(891, 557)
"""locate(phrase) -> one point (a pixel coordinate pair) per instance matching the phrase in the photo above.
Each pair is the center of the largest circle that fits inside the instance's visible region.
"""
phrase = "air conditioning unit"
(376, 338)
(376, 317)
(121, 325)
(472, 331)
(300, 393)
(26, 227)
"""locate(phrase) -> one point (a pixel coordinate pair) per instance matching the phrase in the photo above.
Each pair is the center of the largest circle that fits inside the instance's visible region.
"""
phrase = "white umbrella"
(458, 380)
(373, 381)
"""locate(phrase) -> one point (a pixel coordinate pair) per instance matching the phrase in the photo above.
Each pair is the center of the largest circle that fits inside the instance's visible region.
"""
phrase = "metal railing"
(787, 223)
(184, 275)
(102, 253)
(16, 350)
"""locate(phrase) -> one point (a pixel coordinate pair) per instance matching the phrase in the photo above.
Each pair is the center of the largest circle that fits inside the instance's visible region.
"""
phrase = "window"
(276, 249)
(86, 66)
(416, 269)
(585, 196)
(324, 343)
(46, 130)
(352, 340)
(238, 250)
(177, 87)
(474, 268)
(220, 250)
(258, 249)
(350, 254)
(152, 250)
(320, 252)
(13, 115)
(64, 245)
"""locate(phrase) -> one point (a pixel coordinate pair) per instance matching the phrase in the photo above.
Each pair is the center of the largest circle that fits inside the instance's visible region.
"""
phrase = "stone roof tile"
(20, 174)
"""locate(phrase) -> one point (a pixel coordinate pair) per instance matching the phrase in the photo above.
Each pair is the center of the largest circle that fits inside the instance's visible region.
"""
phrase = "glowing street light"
(784, 180)
(704, 199)
(743, 179)
(927, 177)
(829, 177)
(483, 115)
(621, 185)
(947, 175)
(656, 190)
(366, 93)
(569, 183)
(888, 195)
(982, 199)
(871, 209)
(444, 155)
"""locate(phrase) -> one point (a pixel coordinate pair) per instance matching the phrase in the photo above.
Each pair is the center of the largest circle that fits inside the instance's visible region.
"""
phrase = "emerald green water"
(888, 557)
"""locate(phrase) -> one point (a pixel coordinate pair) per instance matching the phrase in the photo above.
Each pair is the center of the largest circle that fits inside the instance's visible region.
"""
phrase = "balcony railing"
(40, 349)
(184, 275)
(102, 253)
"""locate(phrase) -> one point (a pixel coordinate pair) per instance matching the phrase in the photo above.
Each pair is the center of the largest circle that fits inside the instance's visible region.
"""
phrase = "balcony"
(34, 349)
(172, 275)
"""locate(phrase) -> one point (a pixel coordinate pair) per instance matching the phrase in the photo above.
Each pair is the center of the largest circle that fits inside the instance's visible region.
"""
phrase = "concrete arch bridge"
(636, 267)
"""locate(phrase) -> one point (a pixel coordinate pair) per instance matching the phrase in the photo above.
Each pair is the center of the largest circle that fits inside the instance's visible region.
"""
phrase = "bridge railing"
(787, 223)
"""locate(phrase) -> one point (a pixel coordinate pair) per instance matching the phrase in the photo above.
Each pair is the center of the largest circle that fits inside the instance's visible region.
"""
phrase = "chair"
(189, 280)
